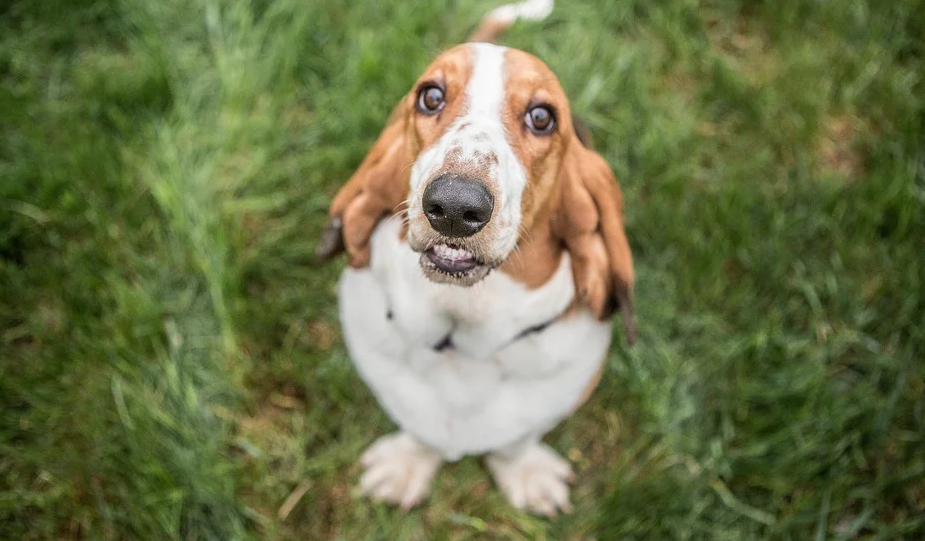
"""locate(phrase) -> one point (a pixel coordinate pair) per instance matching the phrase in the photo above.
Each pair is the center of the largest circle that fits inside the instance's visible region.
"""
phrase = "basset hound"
(487, 254)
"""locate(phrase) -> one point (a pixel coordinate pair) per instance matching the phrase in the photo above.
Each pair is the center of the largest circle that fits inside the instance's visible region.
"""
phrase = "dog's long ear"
(589, 221)
(378, 188)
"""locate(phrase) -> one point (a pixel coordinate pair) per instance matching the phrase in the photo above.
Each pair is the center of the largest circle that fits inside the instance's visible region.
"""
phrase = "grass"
(170, 360)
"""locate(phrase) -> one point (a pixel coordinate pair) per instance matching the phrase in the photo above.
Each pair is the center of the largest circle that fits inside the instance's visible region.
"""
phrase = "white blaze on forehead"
(486, 85)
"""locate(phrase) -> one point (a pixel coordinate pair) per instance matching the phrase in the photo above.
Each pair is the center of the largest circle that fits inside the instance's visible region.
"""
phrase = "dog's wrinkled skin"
(553, 193)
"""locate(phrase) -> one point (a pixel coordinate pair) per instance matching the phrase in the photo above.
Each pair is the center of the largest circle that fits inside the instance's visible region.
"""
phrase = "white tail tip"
(531, 10)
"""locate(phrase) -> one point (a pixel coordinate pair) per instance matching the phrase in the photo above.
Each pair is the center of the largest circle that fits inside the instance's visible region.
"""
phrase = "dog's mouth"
(451, 259)
(451, 263)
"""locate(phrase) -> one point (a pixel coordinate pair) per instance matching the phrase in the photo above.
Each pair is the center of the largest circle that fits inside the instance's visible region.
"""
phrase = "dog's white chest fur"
(492, 386)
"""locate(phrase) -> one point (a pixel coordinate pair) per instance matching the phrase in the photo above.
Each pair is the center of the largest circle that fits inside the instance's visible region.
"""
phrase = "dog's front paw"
(398, 470)
(535, 479)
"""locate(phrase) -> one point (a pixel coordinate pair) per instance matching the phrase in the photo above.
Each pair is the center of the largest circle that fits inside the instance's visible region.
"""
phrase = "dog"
(486, 255)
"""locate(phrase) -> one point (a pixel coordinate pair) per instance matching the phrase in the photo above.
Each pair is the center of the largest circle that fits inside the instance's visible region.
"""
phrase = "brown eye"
(540, 120)
(430, 100)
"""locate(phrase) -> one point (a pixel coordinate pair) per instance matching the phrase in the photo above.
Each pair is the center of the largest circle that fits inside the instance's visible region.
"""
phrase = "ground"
(171, 366)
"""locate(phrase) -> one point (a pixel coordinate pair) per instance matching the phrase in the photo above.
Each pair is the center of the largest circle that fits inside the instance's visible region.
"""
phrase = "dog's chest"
(477, 320)
(453, 365)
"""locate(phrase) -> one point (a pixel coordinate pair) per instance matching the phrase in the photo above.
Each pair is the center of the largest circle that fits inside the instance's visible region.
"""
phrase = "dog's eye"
(431, 99)
(540, 120)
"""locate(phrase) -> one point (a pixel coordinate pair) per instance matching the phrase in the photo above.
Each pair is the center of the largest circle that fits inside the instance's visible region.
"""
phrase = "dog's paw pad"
(535, 480)
(398, 470)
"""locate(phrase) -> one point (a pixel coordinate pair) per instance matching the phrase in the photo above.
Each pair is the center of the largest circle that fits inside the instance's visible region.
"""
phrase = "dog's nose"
(456, 206)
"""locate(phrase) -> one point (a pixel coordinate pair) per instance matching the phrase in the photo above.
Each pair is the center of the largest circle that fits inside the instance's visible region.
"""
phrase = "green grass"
(170, 360)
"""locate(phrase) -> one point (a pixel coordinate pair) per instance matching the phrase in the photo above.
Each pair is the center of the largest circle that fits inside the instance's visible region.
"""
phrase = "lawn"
(171, 365)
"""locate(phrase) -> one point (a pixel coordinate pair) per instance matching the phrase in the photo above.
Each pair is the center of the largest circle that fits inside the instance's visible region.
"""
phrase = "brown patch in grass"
(837, 146)
(269, 429)
(322, 333)
(255, 427)
(744, 45)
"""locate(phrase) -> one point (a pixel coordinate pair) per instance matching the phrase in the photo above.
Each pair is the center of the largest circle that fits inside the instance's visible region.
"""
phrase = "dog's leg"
(533, 477)
(398, 470)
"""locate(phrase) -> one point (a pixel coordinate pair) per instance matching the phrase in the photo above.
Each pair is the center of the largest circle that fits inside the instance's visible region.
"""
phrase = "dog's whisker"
(401, 207)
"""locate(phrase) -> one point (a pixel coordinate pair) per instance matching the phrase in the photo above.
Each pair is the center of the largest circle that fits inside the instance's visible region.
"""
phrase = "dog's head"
(484, 155)
(492, 126)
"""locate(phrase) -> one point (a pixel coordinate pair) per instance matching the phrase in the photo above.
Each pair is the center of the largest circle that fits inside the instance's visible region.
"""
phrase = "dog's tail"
(501, 18)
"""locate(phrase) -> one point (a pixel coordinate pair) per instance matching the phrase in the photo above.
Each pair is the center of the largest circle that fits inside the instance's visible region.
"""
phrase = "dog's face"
(483, 158)
(487, 126)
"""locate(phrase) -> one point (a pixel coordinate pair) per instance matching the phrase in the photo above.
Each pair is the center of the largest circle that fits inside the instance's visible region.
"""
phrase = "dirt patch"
(747, 47)
(322, 334)
(837, 146)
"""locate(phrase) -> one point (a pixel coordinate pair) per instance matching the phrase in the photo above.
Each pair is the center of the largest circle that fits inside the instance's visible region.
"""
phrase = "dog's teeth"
(454, 254)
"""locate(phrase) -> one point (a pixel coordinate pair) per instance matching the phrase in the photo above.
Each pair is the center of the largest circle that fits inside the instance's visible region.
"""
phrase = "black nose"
(456, 206)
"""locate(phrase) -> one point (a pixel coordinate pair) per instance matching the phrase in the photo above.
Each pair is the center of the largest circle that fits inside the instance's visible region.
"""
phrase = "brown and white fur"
(480, 343)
